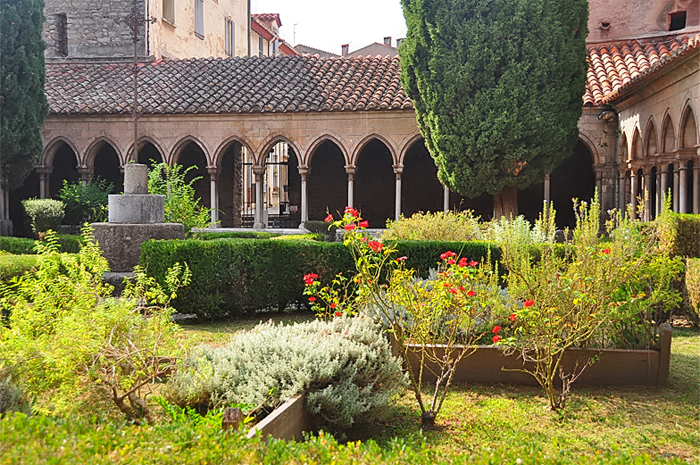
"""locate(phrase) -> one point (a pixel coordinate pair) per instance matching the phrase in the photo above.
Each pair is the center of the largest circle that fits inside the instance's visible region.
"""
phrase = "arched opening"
(652, 146)
(624, 154)
(149, 154)
(689, 187)
(573, 179)
(668, 136)
(375, 184)
(192, 155)
(28, 189)
(229, 185)
(65, 167)
(689, 129)
(107, 167)
(653, 193)
(636, 145)
(282, 186)
(671, 186)
(327, 181)
(421, 190)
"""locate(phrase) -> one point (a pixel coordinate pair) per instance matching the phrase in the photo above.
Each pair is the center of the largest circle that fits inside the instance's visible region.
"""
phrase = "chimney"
(387, 41)
(344, 49)
(398, 42)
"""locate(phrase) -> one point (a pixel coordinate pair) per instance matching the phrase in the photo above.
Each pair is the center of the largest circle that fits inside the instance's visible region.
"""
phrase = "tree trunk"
(505, 203)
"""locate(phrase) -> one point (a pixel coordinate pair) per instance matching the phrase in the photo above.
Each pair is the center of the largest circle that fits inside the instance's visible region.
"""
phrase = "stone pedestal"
(136, 208)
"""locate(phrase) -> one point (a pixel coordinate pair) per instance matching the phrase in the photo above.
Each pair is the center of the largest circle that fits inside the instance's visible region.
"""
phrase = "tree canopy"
(497, 86)
(23, 105)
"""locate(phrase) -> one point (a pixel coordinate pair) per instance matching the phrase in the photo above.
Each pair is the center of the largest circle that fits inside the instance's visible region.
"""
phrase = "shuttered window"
(230, 38)
(169, 11)
(199, 18)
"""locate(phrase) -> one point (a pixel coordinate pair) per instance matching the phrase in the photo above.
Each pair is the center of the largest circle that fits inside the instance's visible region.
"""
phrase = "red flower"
(309, 278)
(606, 251)
(513, 316)
(448, 254)
(462, 261)
(375, 246)
(338, 313)
(364, 224)
(312, 299)
(451, 261)
(452, 290)
(529, 303)
(329, 218)
(471, 293)
(351, 211)
(473, 263)
(461, 288)
(349, 227)
(333, 305)
(496, 329)
(496, 338)
(400, 259)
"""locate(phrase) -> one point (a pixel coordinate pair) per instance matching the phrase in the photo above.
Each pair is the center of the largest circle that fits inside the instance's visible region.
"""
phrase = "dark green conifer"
(497, 86)
(23, 105)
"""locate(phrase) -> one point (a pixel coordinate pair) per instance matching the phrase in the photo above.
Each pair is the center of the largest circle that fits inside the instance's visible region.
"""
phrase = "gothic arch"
(688, 128)
(177, 149)
(94, 147)
(405, 147)
(271, 141)
(668, 134)
(318, 140)
(51, 147)
(624, 149)
(361, 145)
(221, 149)
(651, 145)
(636, 149)
(587, 139)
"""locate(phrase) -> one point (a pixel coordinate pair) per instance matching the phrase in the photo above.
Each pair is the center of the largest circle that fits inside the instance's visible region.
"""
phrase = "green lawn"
(479, 424)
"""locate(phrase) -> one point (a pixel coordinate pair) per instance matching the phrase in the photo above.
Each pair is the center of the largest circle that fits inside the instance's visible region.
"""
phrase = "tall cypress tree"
(23, 105)
(497, 86)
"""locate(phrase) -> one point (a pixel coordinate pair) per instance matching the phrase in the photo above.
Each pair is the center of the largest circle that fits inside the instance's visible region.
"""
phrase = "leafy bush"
(345, 365)
(438, 226)
(208, 236)
(300, 237)
(422, 256)
(692, 284)
(10, 395)
(12, 266)
(85, 203)
(181, 202)
(678, 234)
(44, 214)
(68, 243)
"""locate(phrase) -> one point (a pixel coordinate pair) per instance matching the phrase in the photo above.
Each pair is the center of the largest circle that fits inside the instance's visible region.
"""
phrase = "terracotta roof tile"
(238, 85)
(614, 68)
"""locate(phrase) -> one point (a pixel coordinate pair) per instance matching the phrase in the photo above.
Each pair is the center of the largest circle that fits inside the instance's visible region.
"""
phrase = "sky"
(327, 24)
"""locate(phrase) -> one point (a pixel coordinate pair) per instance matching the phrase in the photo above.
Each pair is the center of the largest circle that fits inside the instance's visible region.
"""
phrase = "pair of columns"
(680, 198)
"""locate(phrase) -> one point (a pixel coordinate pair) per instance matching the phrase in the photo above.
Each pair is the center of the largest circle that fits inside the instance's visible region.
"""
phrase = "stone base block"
(6, 228)
(121, 243)
(136, 208)
(117, 281)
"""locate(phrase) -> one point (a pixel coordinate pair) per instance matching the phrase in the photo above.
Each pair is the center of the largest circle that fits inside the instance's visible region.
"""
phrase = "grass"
(478, 424)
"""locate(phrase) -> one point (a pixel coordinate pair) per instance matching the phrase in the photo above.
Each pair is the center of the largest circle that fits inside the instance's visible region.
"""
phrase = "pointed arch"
(95, 146)
(624, 149)
(319, 140)
(223, 147)
(651, 145)
(636, 152)
(689, 128)
(668, 134)
(587, 139)
(408, 145)
(271, 141)
(176, 151)
(50, 150)
(366, 140)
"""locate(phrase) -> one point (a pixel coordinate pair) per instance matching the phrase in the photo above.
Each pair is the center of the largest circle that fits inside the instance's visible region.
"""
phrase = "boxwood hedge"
(21, 245)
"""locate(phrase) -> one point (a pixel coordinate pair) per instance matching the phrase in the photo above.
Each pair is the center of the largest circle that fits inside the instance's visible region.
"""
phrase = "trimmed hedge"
(16, 265)
(23, 246)
(424, 255)
(692, 285)
(207, 236)
(679, 234)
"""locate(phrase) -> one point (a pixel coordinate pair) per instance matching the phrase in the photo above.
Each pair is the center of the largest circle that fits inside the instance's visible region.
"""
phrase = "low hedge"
(207, 236)
(22, 245)
(679, 234)
(424, 255)
(692, 285)
(16, 265)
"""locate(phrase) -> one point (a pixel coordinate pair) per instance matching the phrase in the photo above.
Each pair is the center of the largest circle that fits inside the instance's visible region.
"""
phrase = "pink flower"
(496, 329)
(375, 246)
(400, 259)
(329, 218)
(473, 263)
(349, 227)
(529, 303)
(463, 261)
(471, 293)
(606, 251)
(309, 278)
(363, 224)
(513, 316)
(496, 338)
(452, 290)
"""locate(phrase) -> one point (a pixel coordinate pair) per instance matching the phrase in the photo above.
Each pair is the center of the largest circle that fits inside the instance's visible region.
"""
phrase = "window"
(230, 38)
(260, 46)
(61, 35)
(274, 48)
(199, 18)
(169, 11)
(677, 21)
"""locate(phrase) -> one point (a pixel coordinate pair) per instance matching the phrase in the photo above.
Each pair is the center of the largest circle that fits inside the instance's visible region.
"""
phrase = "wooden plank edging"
(289, 421)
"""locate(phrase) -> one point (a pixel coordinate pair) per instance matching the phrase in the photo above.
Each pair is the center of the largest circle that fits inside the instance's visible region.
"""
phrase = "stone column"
(214, 196)
(621, 191)
(259, 172)
(304, 172)
(683, 188)
(547, 197)
(664, 187)
(445, 199)
(696, 189)
(633, 193)
(647, 196)
(85, 173)
(351, 170)
(44, 174)
(659, 193)
(398, 170)
(676, 187)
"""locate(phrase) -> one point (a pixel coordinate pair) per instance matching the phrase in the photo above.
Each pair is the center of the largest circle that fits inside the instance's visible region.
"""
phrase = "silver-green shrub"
(44, 214)
(10, 395)
(345, 364)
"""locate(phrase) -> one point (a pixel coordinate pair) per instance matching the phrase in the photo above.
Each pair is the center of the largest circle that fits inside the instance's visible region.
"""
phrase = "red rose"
(513, 316)
(463, 261)
(529, 303)
(333, 305)
(496, 329)
(375, 246)
(606, 251)
(448, 254)
(496, 338)
(351, 211)
(329, 218)
(471, 293)
(309, 278)
(364, 224)
(451, 261)
(473, 263)
(338, 313)
(312, 299)
(349, 227)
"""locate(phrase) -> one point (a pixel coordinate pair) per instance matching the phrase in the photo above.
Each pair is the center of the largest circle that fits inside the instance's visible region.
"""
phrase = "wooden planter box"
(614, 367)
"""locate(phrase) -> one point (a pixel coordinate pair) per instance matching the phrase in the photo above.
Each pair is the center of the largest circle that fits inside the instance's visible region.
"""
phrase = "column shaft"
(647, 196)
(696, 190)
(259, 201)
(633, 194)
(676, 186)
(682, 191)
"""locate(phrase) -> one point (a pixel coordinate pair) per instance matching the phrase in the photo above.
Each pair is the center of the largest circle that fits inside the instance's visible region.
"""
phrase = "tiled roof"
(238, 85)
(268, 18)
(614, 68)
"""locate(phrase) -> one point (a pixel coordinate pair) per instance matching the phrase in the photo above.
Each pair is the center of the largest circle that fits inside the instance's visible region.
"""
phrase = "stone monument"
(134, 217)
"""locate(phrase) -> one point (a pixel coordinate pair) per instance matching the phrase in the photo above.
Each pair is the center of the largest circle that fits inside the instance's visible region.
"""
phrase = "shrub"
(422, 256)
(85, 203)
(321, 227)
(233, 276)
(68, 243)
(345, 365)
(438, 226)
(208, 236)
(679, 233)
(692, 284)
(16, 265)
(10, 395)
(44, 214)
